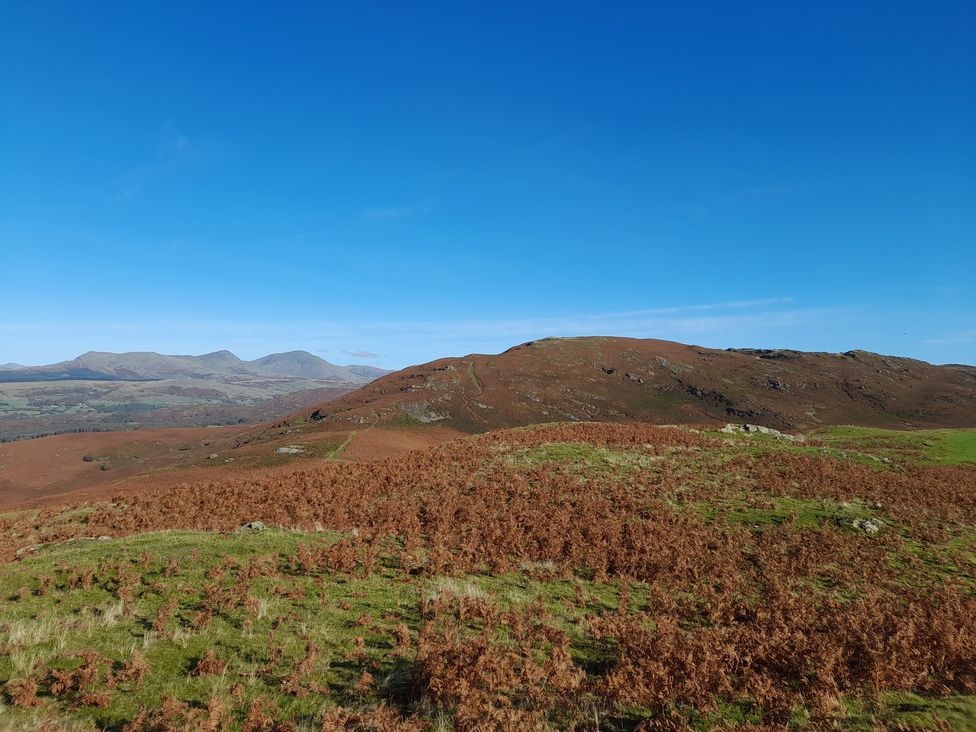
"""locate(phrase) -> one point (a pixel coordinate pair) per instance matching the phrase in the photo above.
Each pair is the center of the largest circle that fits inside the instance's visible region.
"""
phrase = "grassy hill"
(624, 379)
(589, 575)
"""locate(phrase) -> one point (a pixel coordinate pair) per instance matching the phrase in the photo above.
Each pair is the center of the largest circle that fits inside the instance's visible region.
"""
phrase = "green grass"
(912, 711)
(474, 378)
(336, 452)
(806, 512)
(931, 447)
(879, 448)
(46, 629)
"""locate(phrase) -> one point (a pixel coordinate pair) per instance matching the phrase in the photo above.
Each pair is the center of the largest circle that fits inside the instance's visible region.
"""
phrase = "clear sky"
(391, 182)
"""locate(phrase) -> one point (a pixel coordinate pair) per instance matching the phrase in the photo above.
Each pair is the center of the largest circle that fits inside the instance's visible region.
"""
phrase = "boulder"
(731, 429)
(868, 526)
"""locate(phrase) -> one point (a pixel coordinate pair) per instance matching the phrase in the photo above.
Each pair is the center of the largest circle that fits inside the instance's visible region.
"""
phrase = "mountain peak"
(220, 357)
(302, 364)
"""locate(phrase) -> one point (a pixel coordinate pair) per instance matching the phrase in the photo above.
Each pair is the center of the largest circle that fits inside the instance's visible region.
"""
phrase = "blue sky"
(395, 182)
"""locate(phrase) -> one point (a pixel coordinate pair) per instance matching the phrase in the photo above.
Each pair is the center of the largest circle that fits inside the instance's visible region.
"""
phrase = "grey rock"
(423, 413)
(731, 429)
(868, 526)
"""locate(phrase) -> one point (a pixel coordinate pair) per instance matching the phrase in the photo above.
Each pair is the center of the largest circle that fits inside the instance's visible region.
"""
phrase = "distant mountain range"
(621, 379)
(112, 391)
(219, 366)
(553, 379)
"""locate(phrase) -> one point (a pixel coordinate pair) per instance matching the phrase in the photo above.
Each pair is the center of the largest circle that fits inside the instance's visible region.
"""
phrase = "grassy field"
(930, 447)
(344, 624)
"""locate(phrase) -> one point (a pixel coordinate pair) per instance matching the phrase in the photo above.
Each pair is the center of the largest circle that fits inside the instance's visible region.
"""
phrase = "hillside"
(568, 576)
(620, 379)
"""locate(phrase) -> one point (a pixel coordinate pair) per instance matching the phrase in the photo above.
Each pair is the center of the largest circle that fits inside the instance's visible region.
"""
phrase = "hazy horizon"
(345, 358)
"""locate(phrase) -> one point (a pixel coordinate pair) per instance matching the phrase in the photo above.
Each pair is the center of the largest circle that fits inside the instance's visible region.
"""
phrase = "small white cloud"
(362, 354)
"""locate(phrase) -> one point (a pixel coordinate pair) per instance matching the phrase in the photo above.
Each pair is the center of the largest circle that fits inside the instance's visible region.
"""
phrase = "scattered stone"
(253, 526)
(423, 413)
(731, 429)
(634, 377)
(290, 450)
(876, 458)
(212, 456)
(608, 370)
(868, 526)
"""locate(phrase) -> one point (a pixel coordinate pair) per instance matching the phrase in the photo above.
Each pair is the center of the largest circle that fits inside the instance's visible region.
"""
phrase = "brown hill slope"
(620, 379)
